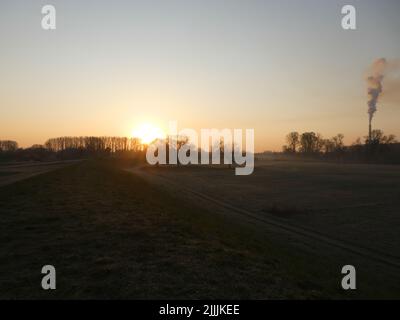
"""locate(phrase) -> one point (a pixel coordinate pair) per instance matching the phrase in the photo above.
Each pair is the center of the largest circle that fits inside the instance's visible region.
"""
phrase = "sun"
(147, 133)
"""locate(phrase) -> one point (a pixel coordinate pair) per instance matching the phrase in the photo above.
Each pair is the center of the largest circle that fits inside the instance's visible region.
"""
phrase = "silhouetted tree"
(378, 137)
(8, 145)
(293, 141)
(309, 142)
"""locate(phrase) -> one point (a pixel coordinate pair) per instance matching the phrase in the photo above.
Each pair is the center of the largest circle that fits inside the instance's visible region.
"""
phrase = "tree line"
(70, 148)
(8, 145)
(94, 144)
(311, 142)
(377, 148)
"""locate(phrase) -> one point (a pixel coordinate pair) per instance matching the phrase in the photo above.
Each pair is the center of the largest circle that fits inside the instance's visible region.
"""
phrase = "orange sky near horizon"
(272, 66)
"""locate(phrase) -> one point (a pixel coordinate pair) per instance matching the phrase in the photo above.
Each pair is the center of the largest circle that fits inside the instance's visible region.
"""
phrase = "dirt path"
(272, 222)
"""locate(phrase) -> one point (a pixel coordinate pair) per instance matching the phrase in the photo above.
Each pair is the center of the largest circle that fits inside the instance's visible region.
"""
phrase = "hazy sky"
(275, 66)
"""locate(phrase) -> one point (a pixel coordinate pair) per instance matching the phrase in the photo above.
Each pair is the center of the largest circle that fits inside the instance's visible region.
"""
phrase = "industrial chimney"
(369, 131)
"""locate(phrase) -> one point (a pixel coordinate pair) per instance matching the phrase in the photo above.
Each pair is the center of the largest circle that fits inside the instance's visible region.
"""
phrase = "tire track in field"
(364, 252)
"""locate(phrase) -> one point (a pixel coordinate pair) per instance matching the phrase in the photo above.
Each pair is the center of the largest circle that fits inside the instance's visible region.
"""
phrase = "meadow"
(112, 233)
(355, 203)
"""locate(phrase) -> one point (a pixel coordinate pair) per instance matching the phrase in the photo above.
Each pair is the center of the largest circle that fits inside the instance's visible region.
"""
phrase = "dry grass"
(111, 235)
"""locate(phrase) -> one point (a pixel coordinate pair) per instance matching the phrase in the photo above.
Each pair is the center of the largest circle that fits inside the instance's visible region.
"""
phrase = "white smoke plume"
(375, 87)
(383, 80)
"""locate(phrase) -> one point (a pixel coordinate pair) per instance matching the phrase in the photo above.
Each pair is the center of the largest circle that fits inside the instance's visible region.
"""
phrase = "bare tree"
(8, 145)
(378, 137)
(308, 142)
(293, 141)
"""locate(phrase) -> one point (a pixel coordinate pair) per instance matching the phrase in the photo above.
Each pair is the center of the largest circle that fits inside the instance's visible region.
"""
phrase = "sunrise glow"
(147, 133)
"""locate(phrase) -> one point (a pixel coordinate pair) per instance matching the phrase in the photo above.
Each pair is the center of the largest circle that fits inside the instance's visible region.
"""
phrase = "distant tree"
(180, 141)
(391, 138)
(310, 142)
(224, 150)
(177, 143)
(94, 144)
(357, 142)
(8, 145)
(380, 148)
(319, 143)
(286, 149)
(378, 137)
(293, 141)
(338, 143)
(37, 146)
(329, 146)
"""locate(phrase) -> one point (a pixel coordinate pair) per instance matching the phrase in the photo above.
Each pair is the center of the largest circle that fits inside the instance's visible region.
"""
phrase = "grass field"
(357, 203)
(111, 234)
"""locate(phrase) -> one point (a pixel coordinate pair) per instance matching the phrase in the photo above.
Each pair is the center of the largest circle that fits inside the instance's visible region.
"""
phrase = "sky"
(274, 66)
